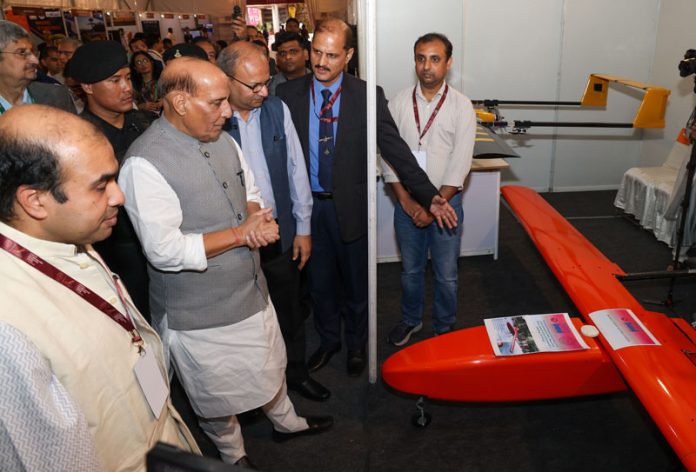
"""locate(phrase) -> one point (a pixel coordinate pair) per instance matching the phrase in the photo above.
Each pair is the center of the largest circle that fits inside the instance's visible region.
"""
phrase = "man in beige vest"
(82, 377)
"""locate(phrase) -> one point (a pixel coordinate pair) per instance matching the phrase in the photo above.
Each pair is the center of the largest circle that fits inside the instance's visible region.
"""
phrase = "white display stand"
(481, 202)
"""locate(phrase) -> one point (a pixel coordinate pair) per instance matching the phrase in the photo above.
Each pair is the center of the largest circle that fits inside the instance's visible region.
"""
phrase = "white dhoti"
(232, 369)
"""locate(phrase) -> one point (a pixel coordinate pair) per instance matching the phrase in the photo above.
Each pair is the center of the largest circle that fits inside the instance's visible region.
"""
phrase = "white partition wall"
(539, 50)
(616, 38)
(512, 51)
(675, 35)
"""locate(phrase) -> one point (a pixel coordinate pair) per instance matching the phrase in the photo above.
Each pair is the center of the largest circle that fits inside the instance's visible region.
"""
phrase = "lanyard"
(432, 116)
(88, 295)
(328, 106)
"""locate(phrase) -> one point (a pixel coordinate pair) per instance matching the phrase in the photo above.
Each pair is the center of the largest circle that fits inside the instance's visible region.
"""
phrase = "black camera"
(687, 66)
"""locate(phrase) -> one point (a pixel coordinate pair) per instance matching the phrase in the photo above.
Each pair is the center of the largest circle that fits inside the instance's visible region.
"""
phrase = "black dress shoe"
(315, 425)
(355, 363)
(245, 463)
(320, 358)
(310, 389)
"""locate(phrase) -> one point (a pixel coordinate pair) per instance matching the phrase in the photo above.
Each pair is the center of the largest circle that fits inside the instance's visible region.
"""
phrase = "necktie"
(326, 145)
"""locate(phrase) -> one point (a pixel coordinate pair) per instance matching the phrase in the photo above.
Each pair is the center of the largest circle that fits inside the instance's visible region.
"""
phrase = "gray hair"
(72, 41)
(9, 33)
(230, 56)
(179, 81)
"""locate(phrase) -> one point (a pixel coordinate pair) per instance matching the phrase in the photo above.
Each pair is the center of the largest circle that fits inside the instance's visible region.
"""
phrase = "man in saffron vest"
(82, 375)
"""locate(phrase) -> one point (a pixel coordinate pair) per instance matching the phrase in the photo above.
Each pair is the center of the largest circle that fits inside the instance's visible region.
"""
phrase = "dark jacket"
(53, 95)
(350, 155)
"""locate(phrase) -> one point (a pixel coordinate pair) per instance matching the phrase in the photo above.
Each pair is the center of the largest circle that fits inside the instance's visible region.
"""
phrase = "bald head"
(36, 160)
(336, 26)
(178, 76)
(57, 185)
(60, 130)
(238, 53)
(195, 104)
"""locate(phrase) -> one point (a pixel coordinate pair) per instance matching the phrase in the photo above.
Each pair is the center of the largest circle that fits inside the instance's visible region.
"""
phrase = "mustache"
(322, 68)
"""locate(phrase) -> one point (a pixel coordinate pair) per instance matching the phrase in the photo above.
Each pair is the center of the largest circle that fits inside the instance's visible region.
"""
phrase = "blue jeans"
(443, 245)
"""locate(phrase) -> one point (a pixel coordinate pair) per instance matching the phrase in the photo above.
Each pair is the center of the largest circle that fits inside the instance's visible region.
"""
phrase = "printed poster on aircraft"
(622, 328)
(529, 334)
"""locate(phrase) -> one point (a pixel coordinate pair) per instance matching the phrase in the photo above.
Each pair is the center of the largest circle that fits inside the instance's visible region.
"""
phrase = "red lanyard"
(328, 106)
(432, 116)
(61, 277)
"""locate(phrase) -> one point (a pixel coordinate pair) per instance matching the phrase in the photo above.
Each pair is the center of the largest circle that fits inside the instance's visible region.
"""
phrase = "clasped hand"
(419, 215)
(260, 229)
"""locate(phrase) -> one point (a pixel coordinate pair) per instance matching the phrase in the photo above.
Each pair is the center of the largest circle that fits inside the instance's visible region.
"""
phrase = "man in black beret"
(102, 69)
(182, 50)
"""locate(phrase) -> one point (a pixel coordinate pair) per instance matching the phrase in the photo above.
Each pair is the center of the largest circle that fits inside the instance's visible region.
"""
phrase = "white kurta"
(91, 356)
(225, 370)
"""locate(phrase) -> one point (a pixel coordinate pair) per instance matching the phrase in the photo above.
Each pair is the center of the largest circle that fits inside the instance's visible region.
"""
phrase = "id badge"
(151, 382)
(421, 158)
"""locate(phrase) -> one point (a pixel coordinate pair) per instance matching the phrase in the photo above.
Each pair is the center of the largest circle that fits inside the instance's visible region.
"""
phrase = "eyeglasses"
(289, 52)
(23, 53)
(255, 88)
(141, 62)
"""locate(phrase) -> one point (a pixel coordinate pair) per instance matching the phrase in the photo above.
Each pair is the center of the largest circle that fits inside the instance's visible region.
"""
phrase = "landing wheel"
(421, 418)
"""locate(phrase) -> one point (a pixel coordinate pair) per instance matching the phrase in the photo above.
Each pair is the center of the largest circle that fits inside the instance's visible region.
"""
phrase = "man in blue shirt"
(329, 111)
(262, 126)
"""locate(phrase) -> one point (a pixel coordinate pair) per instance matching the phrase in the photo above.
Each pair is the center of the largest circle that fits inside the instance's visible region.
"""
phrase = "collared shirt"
(314, 111)
(300, 194)
(6, 105)
(449, 143)
(149, 198)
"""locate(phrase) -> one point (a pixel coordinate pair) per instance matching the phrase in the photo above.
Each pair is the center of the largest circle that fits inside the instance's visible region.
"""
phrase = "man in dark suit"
(330, 115)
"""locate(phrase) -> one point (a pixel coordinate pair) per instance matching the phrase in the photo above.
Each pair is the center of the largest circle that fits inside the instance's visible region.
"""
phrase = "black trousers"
(287, 287)
(337, 281)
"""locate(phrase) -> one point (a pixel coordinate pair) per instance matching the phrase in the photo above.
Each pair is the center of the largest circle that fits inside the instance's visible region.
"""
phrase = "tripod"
(690, 166)
(677, 270)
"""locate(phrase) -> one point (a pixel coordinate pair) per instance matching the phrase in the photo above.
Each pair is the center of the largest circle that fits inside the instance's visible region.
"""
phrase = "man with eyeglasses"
(18, 70)
(262, 126)
(66, 49)
(197, 210)
(291, 59)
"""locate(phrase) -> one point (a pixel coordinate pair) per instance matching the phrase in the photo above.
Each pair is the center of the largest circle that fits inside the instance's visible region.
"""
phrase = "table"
(481, 203)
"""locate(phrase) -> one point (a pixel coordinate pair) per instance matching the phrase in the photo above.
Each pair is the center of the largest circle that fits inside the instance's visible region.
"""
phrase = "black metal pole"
(557, 124)
(690, 166)
(494, 103)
